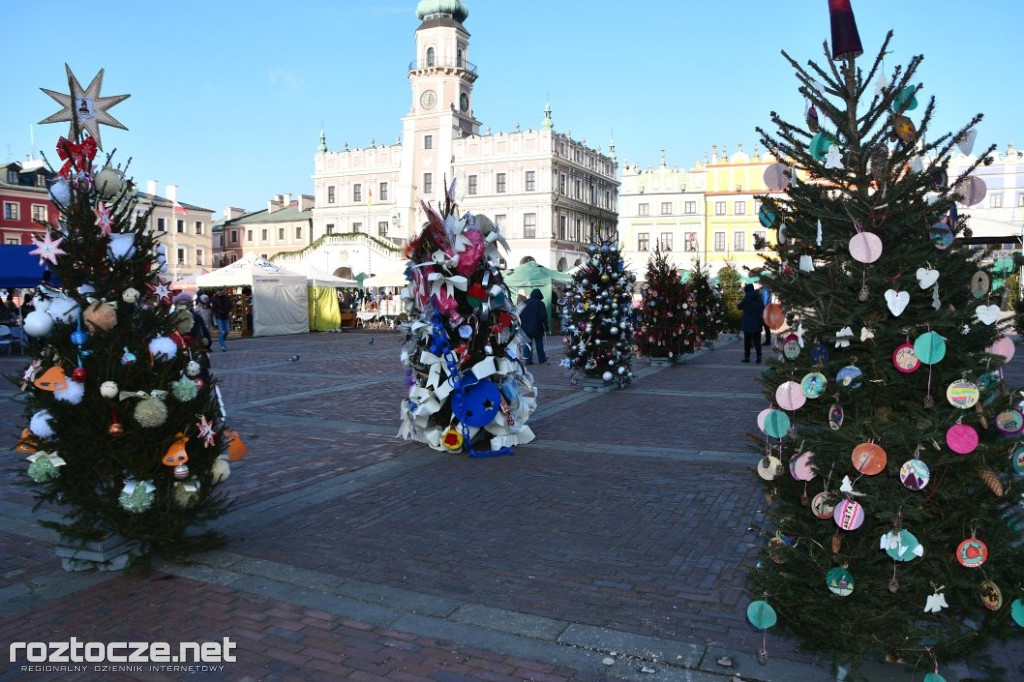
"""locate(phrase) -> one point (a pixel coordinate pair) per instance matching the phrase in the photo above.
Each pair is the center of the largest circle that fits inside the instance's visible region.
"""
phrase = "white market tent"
(279, 296)
(393, 278)
(318, 278)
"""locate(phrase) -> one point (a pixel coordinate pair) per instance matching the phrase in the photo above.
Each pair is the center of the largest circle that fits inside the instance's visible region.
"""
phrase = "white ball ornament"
(38, 324)
(130, 295)
(607, 376)
(108, 389)
(60, 192)
(109, 182)
(192, 369)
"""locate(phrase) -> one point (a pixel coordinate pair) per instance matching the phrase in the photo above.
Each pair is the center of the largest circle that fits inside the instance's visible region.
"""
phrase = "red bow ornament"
(76, 156)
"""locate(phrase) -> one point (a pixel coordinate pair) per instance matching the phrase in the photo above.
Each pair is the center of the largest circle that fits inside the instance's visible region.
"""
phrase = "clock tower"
(442, 78)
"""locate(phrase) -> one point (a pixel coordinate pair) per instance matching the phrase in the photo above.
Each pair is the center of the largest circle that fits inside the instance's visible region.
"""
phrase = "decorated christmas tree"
(708, 305)
(468, 389)
(598, 324)
(891, 452)
(731, 287)
(125, 429)
(666, 325)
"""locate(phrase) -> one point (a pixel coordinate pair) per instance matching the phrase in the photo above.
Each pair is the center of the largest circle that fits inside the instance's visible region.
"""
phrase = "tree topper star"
(47, 249)
(85, 109)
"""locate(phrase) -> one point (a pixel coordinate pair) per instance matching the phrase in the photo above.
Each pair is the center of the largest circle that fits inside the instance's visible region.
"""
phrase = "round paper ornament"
(800, 467)
(835, 416)
(775, 177)
(1003, 346)
(813, 384)
(962, 439)
(109, 182)
(768, 468)
(790, 396)
(1017, 461)
(761, 417)
(821, 506)
(776, 424)
(819, 145)
(839, 581)
(761, 615)
(963, 394)
(902, 546)
(849, 515)
(981, 283)
(819, 354)
(930, 348)
(933, 677)
(915, 474)
(766, 216)
(481, 400)
(869, 458)
(991, 596)
(905, 100)
(940, 235)
(791, 347)
(972, 553)
(1017, 611)
(774, 316)
(865, 247)
(904, 128)
(904, 358)
(972, 189)
(849, 376)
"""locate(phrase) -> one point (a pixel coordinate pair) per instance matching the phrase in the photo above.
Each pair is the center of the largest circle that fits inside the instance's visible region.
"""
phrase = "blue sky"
(227, 100)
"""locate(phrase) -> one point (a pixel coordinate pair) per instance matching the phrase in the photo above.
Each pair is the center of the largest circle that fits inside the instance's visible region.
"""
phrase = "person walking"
(533, 320)
(766, 298)
(221, 306)
(204, 311)
(751, 322)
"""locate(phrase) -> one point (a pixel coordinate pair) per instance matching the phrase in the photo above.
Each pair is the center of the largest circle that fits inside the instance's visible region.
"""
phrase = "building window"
(690, 244)
(430, 56)
(719, 208)
(383, 191)
(562, 220)
(428, 183)
(330, 228)
(499, 221)
(357, 193)
(263, 235)
(298, 232)
(739, 241)
(234, 236)
(12, 211)
(11, 241)
(471, 182)
(458, 57)
(757, 206)
(719, 241)
(382, 228)
(200, 257)
(666, 208)
(39, 213)
(577, 190)
(500, 183)
(280, 234)
(578, 230)
(357, 227)
(248, 236)
(995, 201)
(643, 209)
(561, 183)
(181, 256)
(529, 226)
(760, 238)
(180, 225)
(666, 241)
(199, 227)
(161, 225)
(428, 141)
(531, 181)
(330, 194)
(12, 176)
(739, 208)
(643, 241)
(690, 207)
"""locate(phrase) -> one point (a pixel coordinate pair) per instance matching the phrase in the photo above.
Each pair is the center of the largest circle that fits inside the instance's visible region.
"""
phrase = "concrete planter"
(110, 554)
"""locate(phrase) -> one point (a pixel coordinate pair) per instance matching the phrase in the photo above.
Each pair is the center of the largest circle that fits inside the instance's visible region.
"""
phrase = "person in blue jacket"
(751, 321)
(533, 320)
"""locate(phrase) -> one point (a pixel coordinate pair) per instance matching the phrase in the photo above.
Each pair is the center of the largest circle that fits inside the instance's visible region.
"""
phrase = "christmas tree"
(598, 322)
(125, 433)
(468, 390)
(891, 453)
(666, 316)
(731, 288)
(707, 303)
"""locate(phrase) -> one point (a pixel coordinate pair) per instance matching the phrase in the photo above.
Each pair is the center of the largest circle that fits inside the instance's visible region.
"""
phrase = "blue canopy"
(19, 270)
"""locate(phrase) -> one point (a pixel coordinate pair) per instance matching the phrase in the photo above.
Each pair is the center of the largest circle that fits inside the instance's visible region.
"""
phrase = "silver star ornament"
(85, 109)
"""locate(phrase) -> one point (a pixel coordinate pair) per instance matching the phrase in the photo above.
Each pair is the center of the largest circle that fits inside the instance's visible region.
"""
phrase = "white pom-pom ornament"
(73, 394)
(130, 295)
(40, 424)
(108, 389)
(109, 182)
(60, 192)
(38, 324)
(607, 376)
(163, 349)
(192, 369)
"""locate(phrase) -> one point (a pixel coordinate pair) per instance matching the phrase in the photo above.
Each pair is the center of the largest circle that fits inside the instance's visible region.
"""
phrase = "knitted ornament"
(184, 390)
(136, 497)
(186, 492)
(100, 316)
(44, 466)
(220, 470)
(151, 411)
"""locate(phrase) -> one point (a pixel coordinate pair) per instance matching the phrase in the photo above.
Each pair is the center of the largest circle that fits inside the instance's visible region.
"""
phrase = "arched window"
(527, 259)
(563, 264)
(430, 56)
(458, 57)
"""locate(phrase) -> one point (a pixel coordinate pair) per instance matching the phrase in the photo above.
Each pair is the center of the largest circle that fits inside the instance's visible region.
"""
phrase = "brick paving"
(621, 535)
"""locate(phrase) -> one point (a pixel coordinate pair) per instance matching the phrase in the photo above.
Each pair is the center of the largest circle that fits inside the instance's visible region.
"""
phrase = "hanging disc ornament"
(962, 439)
(972, 189)
(819, 145)
(791, 347)
(769, 467)
(800, 467)
(902, 545)
(766, 216)
(819, 353)
(1003, 346)
(849, 515)
(776, 424)
(1017, 461)
(849, 376)
(865, 247)
(869, 458)
(839, 581)
(915, 474)
(813, 384)
(940, 235)
(481, 401)
(963, 394)
(972, 553)
(981, 283)
(761, 417)
(991, 596)
(822, 506)
(904, 128)
(775, 177)
(774, 316)
(761, 615)
(835, 416)
(905, 100)
(904, 358)
(790, 396)
(1017, 611)
(930, 348)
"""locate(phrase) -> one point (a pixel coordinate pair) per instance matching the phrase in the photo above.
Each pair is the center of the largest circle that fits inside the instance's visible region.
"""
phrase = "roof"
(167, 203)
(287, 214)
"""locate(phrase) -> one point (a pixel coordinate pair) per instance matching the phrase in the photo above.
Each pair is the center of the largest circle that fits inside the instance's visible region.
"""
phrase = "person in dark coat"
(751, 322)
(534, 321)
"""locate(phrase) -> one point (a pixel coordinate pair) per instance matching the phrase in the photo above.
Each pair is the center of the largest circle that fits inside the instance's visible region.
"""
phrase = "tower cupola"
(453, 8)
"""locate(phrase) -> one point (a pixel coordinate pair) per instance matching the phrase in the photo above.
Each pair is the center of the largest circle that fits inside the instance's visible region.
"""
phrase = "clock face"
(428, 99)
(464, 102)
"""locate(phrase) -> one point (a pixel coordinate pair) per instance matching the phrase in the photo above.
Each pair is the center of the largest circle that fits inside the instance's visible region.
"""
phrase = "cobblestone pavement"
(613, 547)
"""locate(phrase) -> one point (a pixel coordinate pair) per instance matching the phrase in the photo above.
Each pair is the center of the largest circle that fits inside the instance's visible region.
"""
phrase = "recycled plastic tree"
(468, 390)
(707, 303)
(124, 434)
(891, 454)
(666, 325)
(598, 334)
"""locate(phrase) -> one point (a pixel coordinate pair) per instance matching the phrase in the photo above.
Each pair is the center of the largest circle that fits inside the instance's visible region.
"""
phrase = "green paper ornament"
(776, 423)
(934, 677)
(761, 615)
(1017, 611)
(930, 348)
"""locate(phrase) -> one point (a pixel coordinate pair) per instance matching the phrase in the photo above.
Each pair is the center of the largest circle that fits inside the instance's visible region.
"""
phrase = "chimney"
(305, 202)
(151, 187)
(172, 193)
(286, 200)
(230, 213)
